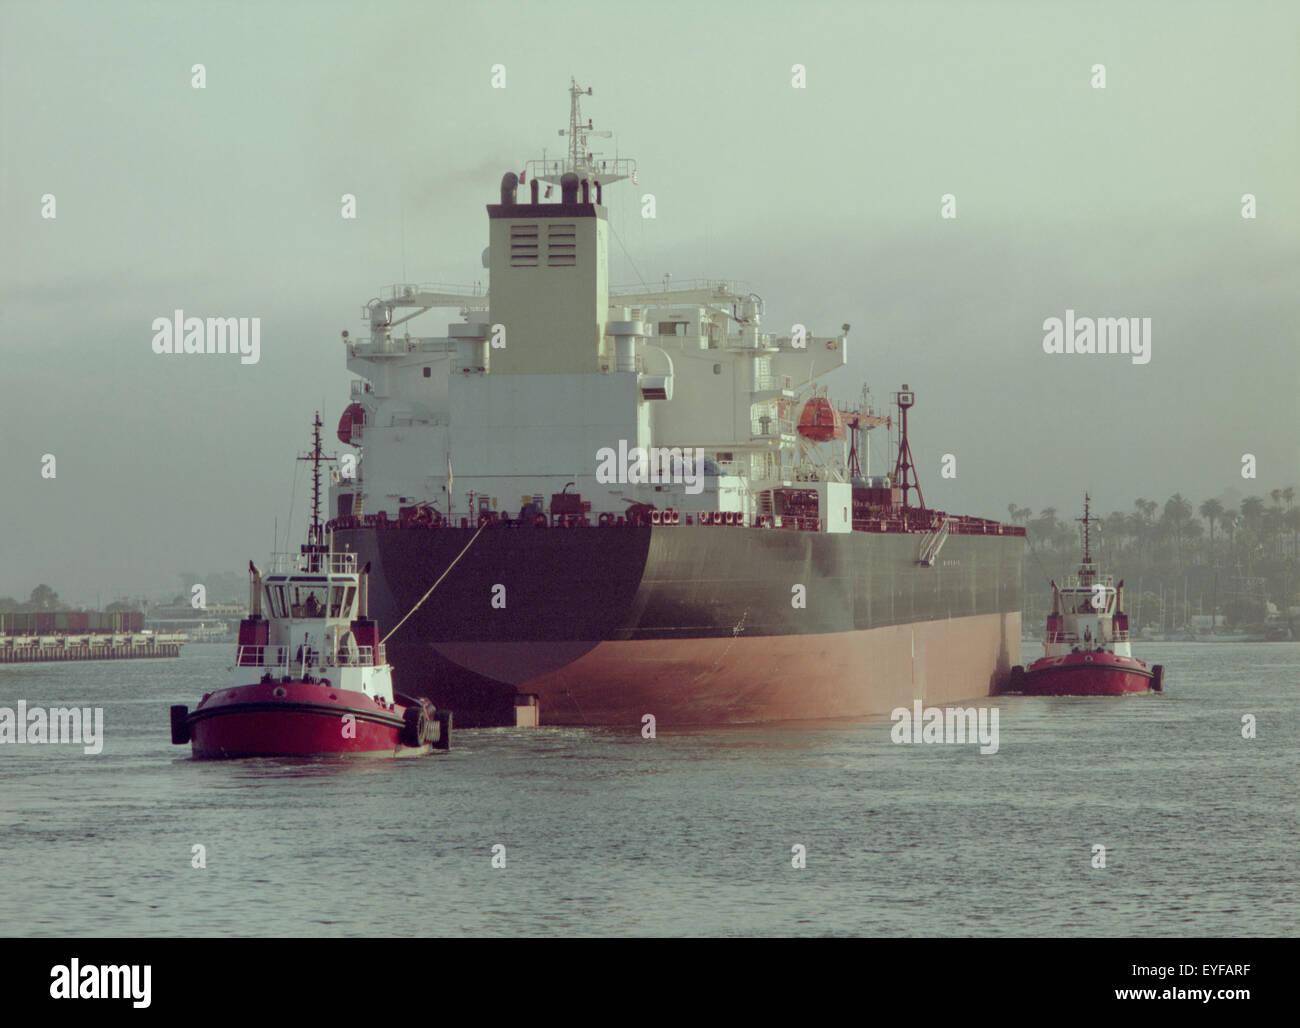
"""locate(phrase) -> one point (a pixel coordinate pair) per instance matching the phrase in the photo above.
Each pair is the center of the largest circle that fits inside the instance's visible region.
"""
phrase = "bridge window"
(341, 601)
(307, 601)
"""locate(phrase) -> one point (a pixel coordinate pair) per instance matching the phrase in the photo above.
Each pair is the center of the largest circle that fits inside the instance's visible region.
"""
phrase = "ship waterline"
(780, 678)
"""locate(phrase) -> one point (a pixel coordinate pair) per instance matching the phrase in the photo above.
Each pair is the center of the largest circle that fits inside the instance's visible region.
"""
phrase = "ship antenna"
(579, 159)
(577, 131)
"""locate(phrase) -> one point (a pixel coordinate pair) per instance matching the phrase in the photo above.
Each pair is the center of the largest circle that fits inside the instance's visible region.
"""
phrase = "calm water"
(609, 834)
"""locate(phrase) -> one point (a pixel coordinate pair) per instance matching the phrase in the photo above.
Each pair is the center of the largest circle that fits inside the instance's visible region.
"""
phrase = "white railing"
(767, 380)
(1069, 638)
(364, 656)
(720, 288)
(321, 563)
(262, 656)
(405, 290)
(278, 657)
(776, 427)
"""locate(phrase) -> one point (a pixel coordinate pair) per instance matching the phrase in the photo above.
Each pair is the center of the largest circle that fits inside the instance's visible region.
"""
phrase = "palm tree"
(1212, 511)
(1252, 512)
(1178, 513)
(1114, 528)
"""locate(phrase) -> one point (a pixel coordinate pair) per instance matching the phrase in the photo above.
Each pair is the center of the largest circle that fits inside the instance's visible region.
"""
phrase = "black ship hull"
(691, 623)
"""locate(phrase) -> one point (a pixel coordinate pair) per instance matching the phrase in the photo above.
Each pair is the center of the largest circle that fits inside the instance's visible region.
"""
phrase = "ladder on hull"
(930, 545)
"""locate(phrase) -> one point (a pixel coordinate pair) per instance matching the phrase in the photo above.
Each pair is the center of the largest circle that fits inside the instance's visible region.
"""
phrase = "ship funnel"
(509, 183)
(254, 591)
(568, 188)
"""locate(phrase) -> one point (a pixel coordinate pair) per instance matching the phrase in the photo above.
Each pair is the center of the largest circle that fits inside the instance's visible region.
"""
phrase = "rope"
(1041, 568)
(434, 586)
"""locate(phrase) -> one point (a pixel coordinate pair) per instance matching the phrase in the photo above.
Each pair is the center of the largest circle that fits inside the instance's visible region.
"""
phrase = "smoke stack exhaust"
(509, 183)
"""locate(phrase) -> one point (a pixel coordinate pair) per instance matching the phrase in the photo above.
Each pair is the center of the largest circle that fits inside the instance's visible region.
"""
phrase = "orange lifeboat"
(819, 421)
(355, 414)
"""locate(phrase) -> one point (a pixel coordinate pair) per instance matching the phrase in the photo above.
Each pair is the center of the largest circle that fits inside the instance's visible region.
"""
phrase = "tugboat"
(310, 678)
(1086, 651)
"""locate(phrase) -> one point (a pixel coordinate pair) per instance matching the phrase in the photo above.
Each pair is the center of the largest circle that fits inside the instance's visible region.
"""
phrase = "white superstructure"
(549, 370)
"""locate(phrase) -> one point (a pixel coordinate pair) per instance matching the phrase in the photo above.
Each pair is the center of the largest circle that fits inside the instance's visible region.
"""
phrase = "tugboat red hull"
(304, 719)
(1086, 674)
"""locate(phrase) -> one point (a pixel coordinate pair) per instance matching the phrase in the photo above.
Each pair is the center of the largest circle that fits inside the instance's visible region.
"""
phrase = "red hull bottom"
(1086, 674)
(747, 679)
(296, 719)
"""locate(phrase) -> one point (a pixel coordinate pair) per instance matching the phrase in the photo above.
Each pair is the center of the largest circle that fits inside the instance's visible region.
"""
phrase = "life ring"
(656, 517)
(830, 344)
(279, 692)
(606, 519)
(706, 517)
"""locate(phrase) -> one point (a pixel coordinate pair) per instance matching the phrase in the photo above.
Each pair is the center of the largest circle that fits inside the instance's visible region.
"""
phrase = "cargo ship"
(586, 506)
(1086, 647)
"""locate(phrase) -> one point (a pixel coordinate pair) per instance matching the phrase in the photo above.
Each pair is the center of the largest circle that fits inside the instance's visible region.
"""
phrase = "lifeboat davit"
(819, 421)
(355, 414)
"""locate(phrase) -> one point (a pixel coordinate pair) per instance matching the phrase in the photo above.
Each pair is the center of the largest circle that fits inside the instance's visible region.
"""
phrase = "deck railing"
(320, 563)
(278, 657)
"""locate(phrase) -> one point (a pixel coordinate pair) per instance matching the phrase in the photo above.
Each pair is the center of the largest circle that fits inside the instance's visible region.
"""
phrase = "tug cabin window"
(307, 601)
(341, 601)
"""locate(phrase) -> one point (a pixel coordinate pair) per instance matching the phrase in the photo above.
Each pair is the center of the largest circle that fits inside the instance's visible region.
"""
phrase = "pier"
(46, 648)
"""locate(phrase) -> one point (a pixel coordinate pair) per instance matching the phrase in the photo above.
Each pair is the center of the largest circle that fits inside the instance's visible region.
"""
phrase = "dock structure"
(16, 649)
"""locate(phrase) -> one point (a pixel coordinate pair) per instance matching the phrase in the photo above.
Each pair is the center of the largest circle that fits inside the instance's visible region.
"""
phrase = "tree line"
(1178, 560)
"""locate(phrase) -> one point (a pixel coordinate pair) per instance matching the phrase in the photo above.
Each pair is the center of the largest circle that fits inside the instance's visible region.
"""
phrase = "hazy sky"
(225, 201)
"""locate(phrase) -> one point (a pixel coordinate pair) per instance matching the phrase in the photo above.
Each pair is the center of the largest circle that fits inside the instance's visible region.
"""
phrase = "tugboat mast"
(1087, 571)
(315, 533)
